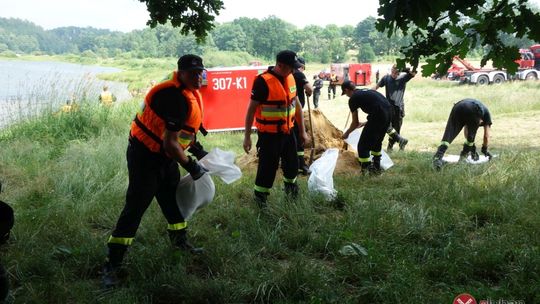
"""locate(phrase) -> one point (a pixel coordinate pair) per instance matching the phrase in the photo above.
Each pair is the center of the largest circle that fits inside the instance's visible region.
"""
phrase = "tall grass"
(428, 236)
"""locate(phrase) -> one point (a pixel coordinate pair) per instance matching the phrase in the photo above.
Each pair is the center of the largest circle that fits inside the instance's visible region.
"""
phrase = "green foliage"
(441, 30)
(273, 35)
(366, 53)
(230, 37)
(195, 17)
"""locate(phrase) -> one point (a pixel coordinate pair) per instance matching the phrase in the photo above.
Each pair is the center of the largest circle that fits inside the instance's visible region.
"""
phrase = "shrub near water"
(425, 236)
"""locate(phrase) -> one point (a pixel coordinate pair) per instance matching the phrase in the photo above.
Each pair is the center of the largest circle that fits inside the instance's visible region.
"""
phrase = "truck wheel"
(498, 79)
(530, 76)
(482, 80)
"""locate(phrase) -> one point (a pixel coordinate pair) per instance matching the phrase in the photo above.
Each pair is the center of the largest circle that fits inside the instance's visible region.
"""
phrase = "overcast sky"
(126, 15)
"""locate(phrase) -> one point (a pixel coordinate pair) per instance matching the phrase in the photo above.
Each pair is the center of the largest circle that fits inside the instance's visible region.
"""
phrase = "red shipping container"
(226, 94)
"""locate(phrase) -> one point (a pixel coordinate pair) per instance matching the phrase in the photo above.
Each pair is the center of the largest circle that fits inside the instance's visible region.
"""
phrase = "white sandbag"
(320, 179)
(354, 138)
(455, 158)
(221, 163)
(192, 195)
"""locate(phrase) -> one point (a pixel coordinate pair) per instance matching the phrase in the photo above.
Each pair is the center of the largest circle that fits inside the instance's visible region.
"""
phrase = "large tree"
(190, 16)
(445, 28)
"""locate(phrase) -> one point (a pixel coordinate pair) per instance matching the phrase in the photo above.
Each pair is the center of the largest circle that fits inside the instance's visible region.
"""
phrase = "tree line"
(259, 38)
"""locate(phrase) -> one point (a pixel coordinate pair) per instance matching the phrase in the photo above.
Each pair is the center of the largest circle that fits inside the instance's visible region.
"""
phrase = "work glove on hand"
(197, 150)
(486, 152)
(194, 168)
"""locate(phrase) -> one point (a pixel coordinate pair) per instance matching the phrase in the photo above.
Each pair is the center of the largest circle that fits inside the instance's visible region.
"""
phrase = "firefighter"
(467, 114)
(303, 88)
(6, 223)
(106, 98)
(160, 134)
(379, 115)
(275, 106)
(332, 86)
(395, 90)
(317, 86)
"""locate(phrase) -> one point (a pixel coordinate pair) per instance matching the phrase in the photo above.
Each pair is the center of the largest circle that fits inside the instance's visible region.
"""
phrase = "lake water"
(28, 87)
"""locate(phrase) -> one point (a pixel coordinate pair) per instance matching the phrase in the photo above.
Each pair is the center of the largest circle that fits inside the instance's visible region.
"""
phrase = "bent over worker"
(467, 114)
(160, 134)
(379, 116)
(275, 107)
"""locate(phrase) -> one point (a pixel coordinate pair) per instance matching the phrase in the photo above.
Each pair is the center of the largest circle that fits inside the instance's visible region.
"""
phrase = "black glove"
(194, 169)
(197, 150)
(486, 152)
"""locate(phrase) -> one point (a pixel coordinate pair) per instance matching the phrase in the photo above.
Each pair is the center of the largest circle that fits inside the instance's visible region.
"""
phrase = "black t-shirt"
(170, 105)
(259, 91)
(300, 80)
(483, 112)
(369, 101)
(395, 88)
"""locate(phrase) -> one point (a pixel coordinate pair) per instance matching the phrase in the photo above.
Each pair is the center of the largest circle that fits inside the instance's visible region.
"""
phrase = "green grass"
(429, 236)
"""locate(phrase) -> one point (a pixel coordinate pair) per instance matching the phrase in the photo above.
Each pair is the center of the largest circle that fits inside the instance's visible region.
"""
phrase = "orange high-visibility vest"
(276, 114)
(149, 128)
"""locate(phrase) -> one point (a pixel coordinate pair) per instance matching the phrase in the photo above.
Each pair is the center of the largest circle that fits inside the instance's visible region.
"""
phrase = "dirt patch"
(326, 136)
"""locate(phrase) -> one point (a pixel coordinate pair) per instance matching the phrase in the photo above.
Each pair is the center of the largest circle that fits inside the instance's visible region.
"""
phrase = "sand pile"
(326, 136)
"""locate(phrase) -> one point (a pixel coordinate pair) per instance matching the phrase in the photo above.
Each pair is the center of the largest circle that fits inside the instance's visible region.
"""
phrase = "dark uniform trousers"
(271, 148)
(373, 134)
(397, 118)
(150, 175)
(464, 113)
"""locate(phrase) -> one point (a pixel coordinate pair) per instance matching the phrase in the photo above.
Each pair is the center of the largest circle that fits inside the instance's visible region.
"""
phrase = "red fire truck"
(359, 73)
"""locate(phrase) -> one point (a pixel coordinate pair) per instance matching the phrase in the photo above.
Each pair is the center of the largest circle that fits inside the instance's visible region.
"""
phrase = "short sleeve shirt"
(395, 88)
(369, 101)
(171, 106)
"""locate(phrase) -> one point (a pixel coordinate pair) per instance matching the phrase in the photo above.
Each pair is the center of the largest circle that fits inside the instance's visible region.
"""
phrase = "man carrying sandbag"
(160, 134)
(379, 116)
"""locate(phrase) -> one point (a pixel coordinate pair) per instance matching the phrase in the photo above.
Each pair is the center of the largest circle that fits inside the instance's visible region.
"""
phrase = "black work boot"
(402, 141)
(111, 273)
(364, 167)
(261, 199)
(375, 167)
(438, 162)
(302, 166)
(291, 189)
(465, 152)
(391, 143)
(179, 239)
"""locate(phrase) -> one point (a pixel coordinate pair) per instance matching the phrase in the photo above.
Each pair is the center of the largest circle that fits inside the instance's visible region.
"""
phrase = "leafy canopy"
(444, 28)
(190, 16)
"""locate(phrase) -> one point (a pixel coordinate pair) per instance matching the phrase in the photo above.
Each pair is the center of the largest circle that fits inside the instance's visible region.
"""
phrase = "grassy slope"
(428, 235)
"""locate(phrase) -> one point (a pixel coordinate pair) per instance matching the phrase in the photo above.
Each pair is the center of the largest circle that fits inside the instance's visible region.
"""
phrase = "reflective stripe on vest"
(149, 128)
(106, 98)
(276, 114)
